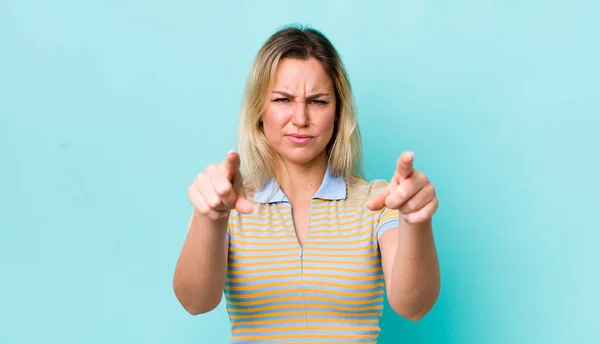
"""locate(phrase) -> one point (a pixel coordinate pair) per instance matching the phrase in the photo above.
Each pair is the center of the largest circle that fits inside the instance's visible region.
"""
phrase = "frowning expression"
(300, 115)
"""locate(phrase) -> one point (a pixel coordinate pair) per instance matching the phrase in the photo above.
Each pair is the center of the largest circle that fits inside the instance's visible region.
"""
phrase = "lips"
(299, 139)
(300, 136)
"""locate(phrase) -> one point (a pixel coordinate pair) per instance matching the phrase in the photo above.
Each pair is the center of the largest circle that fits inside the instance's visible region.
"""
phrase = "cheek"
(273, 121)
(327, 120)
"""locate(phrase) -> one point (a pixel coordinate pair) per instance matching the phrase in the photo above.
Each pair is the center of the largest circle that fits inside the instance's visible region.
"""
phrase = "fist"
(409, 191)
(219, 189)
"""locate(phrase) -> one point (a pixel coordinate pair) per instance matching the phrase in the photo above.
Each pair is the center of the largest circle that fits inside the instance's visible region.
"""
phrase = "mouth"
(299, 138)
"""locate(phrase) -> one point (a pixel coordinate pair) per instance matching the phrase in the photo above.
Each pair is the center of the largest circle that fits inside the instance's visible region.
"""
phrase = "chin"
(300, 157)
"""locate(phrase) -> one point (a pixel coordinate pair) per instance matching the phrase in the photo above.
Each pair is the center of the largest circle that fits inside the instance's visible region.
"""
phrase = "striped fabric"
(330, 290)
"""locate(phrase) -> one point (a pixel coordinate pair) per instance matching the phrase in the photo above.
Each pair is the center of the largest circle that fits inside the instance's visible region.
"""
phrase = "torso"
(326, 286)
(301, 218)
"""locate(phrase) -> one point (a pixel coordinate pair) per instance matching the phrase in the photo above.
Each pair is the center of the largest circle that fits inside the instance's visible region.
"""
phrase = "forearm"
(201, 269)
(415, 282)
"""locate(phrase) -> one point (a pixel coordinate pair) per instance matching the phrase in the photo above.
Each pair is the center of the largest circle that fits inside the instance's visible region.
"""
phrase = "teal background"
(109, 109)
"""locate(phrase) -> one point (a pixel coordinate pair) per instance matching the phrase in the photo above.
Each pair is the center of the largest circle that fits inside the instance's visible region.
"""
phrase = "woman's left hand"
(409, 191)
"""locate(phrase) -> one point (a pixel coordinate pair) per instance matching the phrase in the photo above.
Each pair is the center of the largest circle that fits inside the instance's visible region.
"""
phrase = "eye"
(282, 100)
(318, 102)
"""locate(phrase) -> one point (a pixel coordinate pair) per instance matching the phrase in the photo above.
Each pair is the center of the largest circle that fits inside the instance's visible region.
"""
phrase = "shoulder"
(358, 188)
(249, 189)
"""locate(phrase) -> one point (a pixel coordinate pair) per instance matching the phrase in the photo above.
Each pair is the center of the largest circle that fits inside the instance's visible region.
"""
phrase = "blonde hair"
(344, 151)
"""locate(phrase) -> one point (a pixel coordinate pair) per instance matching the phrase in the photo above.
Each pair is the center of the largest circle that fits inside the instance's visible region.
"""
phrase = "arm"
(410, 266)
(408, 254)
(201, 269)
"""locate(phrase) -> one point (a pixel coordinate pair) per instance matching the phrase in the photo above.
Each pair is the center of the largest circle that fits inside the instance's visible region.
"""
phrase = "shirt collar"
(332, 188)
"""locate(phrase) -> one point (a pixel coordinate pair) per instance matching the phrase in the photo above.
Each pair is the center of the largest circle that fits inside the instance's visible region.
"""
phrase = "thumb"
(377, 202)
(242, 204)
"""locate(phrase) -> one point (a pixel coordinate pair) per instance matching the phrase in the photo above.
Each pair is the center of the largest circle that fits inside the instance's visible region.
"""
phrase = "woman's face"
(300, 114)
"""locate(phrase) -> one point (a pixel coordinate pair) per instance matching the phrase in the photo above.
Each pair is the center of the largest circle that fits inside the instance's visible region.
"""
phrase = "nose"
(300, 115)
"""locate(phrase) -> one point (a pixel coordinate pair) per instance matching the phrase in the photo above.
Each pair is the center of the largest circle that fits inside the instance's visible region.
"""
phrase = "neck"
(301, 182)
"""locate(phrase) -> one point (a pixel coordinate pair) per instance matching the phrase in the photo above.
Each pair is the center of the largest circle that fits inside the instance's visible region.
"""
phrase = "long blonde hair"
(344, 151)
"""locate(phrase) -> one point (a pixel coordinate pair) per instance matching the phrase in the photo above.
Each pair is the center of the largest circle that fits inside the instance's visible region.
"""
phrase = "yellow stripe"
(345, 294)
(344, 262)
(298, 275)
(264, 263)
(262, 278)
(352, 278)
(263, 241)
(331, 270)
(268, 227)
(276, 256)
(259, 250)
(261, 234)
(326, 227)
(301, 299)
(233, 255)
(321, 216)
(257, 271)
(307, 247)
(337, 235)
(313, 283)
(313, 241)
(276, 293)
(333, 256)
(308, 320)
(243, 234)
(343, 286)
(301, 336)
(336, 315)
(307, 306)
(310, 248)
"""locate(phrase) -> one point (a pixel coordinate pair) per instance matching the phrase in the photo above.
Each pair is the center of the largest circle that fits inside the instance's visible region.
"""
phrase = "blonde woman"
(287, 228)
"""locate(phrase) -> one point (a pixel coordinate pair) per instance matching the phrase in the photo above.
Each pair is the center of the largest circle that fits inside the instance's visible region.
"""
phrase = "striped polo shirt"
(331, 289)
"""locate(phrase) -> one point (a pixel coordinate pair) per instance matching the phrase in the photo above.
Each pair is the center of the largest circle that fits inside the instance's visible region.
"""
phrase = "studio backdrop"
(109, 109)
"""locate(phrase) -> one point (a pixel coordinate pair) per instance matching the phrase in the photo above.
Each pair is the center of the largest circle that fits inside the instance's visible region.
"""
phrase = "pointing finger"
(231, 165)
(242, 204)
(404, 167)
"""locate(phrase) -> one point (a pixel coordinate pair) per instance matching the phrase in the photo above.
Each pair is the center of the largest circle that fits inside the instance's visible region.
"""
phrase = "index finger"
(404, 167)
(231, 165)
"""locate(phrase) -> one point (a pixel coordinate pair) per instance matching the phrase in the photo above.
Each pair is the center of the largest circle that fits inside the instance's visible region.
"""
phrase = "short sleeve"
(227, 235)
(388, 218)
(232, 223)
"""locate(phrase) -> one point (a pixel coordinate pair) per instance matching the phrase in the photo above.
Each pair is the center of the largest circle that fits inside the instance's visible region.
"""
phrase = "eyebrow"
(312, 96)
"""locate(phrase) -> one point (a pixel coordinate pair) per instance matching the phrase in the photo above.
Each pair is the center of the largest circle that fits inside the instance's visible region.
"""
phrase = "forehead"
(297, 73)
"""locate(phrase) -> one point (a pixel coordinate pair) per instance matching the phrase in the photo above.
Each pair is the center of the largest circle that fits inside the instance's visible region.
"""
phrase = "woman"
(303, 247)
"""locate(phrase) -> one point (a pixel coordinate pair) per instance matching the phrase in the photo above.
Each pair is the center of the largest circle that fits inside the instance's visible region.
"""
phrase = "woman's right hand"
(219, 189)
